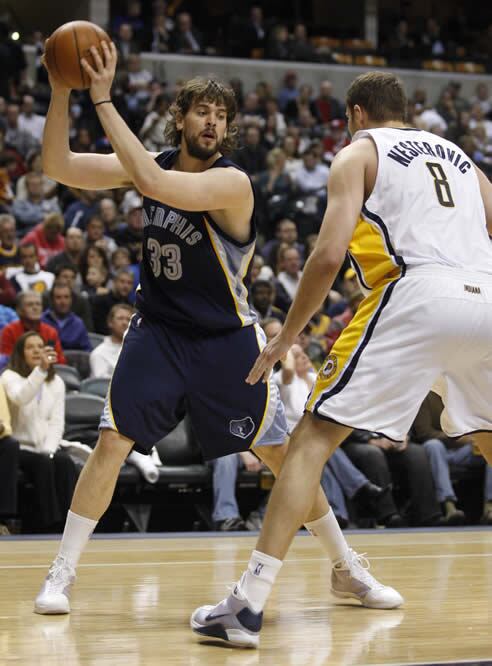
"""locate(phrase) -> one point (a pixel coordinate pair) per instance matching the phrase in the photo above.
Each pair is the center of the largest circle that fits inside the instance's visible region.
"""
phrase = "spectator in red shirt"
(29, 309)
(47, 237)
(7, 290)
(329, 108)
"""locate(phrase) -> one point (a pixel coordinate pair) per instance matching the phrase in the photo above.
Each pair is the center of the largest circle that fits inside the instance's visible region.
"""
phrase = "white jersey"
(425, 209)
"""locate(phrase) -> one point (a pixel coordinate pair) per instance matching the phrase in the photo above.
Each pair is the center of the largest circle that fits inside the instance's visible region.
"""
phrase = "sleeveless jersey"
(425, 208)
(192, 273)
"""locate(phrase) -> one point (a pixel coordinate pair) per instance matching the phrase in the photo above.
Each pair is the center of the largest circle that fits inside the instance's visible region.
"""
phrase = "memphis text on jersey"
(404, 152)
(173, 222)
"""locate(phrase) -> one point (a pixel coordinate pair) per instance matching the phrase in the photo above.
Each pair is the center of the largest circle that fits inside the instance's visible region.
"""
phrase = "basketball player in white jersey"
(415, 214)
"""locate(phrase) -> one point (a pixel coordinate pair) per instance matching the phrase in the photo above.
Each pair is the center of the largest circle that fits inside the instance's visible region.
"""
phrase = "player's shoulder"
(357, 153)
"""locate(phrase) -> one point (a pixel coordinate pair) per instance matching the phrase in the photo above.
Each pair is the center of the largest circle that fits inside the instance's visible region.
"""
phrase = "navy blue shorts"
(163, 373)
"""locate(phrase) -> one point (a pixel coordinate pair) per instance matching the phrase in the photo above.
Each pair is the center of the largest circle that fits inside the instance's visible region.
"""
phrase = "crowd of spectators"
(69, 259)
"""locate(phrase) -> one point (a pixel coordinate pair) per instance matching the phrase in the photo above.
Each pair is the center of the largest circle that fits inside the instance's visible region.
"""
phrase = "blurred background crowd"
(69, 259)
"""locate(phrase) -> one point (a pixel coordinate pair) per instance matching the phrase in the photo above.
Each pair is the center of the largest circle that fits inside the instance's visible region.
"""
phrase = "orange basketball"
(66, 46)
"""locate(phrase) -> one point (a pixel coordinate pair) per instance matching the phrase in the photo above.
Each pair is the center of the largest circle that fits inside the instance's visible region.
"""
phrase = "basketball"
(65, 48)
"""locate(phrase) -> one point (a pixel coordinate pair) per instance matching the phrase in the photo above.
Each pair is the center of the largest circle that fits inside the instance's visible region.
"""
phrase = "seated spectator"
(108, 212)
(9, 464)
(9, 250)
(121, 258)
(329, 107)
(83, 141)
(35, 165)
(10, 156)
(278, 47)
(312, 177)
(7, 316)
(94, 235)
(161, 36)
(17, 138)
(29, 121)
(138, 78)
(290, 274)
(275, 185)
(72, 252)
(275, 125)
(335, 140)
(95, 283)
(130, 234)
(293, 162)
(47, 237)
(301, 48)
(252, 155)
(30, 276)
(252, 113)
(406, 463)
(36, 399)
(286, 233)
(225, 512)
(482, 98)
(68, 275)
(125, 41)
(31, 211)
(103, 358)
(29, 310)
(263, 299)
(8, 294)
(152, 130)
(71, 329)
(185, 39)
(289, 90)
(303, 101)
(446, 453)
(93, 257)
(80, 210)
(120, 293)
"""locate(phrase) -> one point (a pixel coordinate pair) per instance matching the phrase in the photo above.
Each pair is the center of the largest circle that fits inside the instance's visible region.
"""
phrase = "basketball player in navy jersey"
(193, 339)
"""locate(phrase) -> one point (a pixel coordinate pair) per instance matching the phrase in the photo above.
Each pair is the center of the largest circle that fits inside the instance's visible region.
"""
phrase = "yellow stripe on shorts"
(340, 363)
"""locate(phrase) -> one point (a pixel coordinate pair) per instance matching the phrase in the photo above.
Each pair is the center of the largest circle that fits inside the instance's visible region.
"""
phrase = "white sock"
(256, 582)
(330, 535)
(75, 537)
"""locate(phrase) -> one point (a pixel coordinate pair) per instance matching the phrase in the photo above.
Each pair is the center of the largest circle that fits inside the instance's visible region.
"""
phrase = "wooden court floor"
(134, 596)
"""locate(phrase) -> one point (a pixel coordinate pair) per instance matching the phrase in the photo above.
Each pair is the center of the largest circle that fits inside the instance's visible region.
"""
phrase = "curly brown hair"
(198, 90)
(17, 361)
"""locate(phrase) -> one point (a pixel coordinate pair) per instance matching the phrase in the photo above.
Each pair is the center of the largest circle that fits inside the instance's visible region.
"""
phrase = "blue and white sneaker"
(231, 621)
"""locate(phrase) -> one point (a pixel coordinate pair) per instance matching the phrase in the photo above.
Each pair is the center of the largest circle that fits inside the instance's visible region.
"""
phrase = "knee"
(433, 446)
(111, 448)
(272, 456)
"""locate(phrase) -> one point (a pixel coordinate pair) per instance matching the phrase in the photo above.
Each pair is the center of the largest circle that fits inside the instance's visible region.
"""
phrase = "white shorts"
(430, 329)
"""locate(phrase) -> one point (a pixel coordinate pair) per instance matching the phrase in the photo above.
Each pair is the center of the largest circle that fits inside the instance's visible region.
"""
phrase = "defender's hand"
(276, 349)
(101, 77)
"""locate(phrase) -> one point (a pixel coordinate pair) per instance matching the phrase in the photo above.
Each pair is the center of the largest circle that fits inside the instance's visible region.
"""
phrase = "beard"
(198, 151)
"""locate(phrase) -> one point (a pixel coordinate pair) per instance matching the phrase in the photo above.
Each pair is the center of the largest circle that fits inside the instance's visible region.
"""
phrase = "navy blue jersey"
(192, 273)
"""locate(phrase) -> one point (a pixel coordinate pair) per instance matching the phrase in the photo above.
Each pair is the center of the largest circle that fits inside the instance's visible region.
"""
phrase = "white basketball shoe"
(350, 578)
(54, 596)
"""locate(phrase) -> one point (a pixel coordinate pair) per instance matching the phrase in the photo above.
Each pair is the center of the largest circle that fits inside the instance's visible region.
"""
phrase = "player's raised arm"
(217, 190)
(82, 170)
(486, 192)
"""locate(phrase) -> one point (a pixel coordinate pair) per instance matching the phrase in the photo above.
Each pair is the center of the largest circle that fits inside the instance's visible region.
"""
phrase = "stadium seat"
(369, 60)
(358, 44)
(469, 68)
(95, 339)
(437, 66)
(322, 42)
(76, 358)
(257, 54)
(95, 386)
(82, 415)
(70, 376)
(342, 58)
(182, 464)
